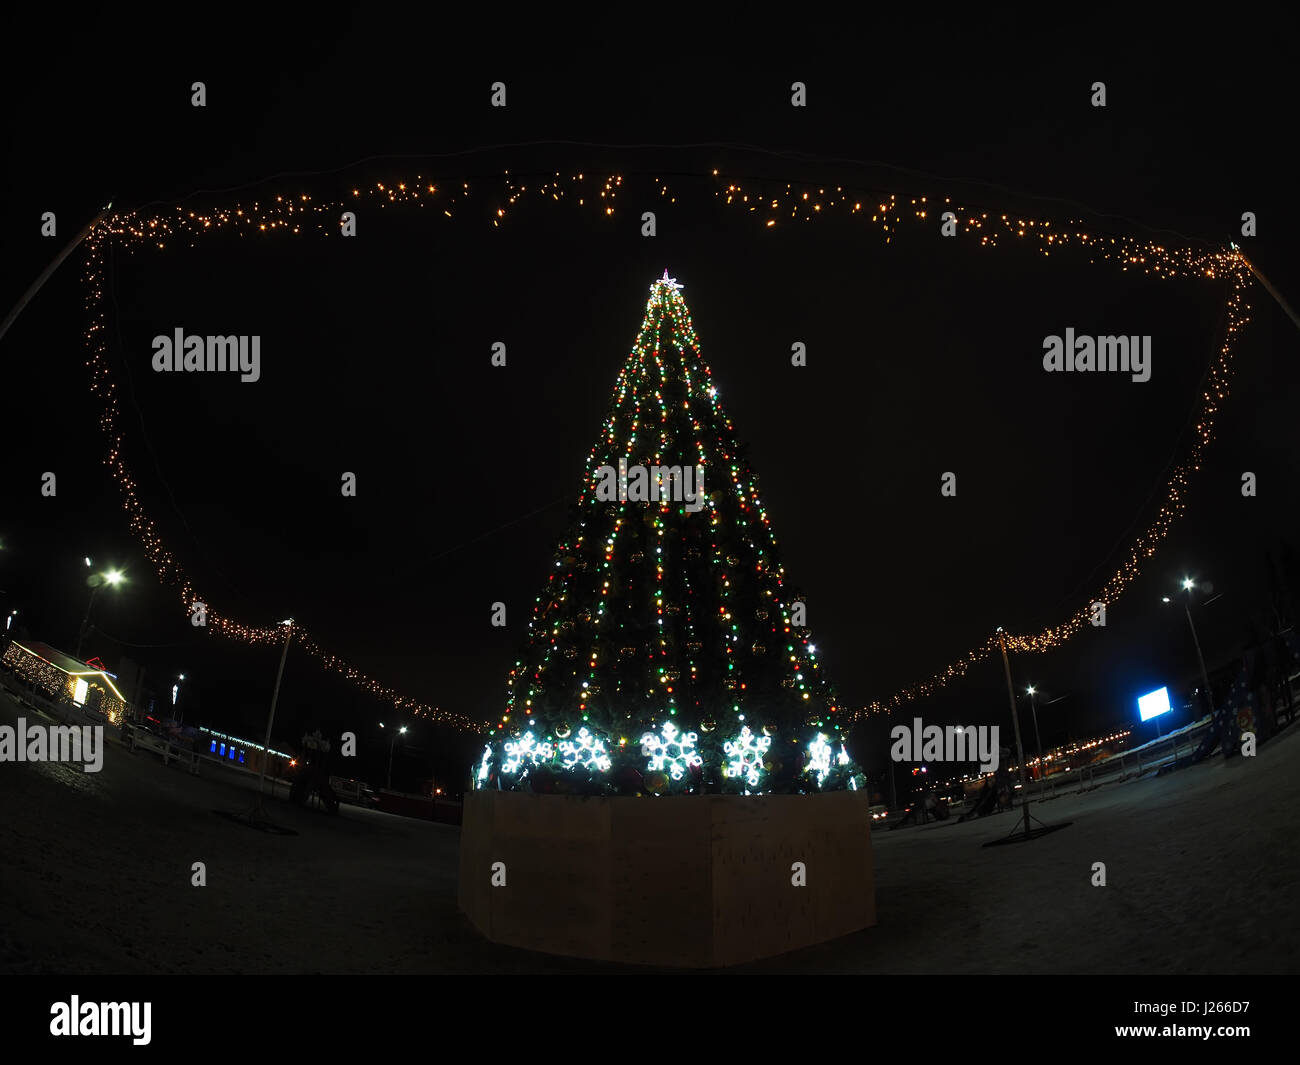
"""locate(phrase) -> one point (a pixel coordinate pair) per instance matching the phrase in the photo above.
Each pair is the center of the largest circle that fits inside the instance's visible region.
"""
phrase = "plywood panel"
(691, 881)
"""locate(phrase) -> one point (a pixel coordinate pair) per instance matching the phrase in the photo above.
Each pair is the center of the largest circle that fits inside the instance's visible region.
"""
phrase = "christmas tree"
(667, 652)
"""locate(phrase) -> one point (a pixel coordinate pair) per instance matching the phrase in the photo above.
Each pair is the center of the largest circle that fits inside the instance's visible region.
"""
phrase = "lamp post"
(392, 744)
(1188, 585)
(1038, 740)
(10, 619)
(1015, 720)
(97, 581)
(270, 720)
(176, 694)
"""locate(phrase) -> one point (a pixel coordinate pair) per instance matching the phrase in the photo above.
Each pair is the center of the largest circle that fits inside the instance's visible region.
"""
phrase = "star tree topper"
(667, 282)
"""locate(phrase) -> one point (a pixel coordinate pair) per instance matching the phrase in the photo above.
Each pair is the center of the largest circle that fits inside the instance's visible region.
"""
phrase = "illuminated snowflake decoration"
(672, 750)
(527, 749)
(819, 751)
(585, 750)
(746, 753)
(483, 766)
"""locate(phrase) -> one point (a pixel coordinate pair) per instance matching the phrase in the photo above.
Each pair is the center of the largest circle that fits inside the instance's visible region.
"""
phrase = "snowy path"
(95, 878)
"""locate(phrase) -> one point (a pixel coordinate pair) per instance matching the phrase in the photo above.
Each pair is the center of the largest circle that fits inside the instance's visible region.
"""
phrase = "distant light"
(87, 560)
(1031, 690)
(1188, 584)
(1164, 598)
(113, 576)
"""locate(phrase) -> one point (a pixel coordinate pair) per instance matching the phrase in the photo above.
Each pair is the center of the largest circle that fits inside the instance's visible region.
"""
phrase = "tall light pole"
(1188, 585)
(10, 619)
(1038, 741)
(1026, 833)
(391, 746)
(1015, 720)
(176, 694)
(97, 581)
(44, 275)
(270, 720)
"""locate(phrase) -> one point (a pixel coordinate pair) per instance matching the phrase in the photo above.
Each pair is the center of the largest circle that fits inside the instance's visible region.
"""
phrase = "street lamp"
(1188, 585)
(10, 619)
(258, 814)
(97, 581)
(1032, 692)
(391, 745)
(176, 693)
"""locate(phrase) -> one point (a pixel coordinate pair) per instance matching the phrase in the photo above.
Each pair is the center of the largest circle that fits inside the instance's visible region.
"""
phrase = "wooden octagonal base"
(692, 880)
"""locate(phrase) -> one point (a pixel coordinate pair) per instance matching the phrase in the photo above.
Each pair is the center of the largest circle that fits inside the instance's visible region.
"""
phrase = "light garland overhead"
(297, 215)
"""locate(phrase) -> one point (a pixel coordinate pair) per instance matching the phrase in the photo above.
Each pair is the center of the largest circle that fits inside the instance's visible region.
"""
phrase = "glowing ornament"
(819, 751)
(746, 753)
(527, 749)
(672, 750)
(587, 751)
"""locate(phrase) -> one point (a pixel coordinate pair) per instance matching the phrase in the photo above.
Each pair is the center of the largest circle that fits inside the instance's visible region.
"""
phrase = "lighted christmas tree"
(667, 652)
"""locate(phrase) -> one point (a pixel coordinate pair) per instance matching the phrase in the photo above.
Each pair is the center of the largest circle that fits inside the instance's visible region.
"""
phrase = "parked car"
(356, 792)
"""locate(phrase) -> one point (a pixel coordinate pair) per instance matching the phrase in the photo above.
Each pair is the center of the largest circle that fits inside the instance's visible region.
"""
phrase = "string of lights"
(288, 216)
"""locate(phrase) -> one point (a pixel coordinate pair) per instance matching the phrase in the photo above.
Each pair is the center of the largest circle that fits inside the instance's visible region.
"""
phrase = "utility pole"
(275, 697)
(35, 286)
(1038, 739)
(1015, 720)
(1268, 287)
(85, 622)
(1205, 677)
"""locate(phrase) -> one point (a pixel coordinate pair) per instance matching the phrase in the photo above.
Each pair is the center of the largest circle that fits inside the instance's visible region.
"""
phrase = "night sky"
(924, 355)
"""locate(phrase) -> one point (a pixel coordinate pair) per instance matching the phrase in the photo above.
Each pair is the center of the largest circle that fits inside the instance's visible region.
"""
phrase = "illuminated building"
(62, 677)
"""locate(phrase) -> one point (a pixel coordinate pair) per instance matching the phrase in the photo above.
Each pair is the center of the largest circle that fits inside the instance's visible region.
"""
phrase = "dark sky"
(924, 356)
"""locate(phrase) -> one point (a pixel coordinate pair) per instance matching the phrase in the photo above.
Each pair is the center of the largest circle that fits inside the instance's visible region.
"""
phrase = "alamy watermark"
(651, 484)
(1108, 354)
(212, 354)
(946, 743)
(102, 1018)
(53, 743)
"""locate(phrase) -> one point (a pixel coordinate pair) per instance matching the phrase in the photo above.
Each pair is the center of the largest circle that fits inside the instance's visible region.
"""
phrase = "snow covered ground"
(1202, 869)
